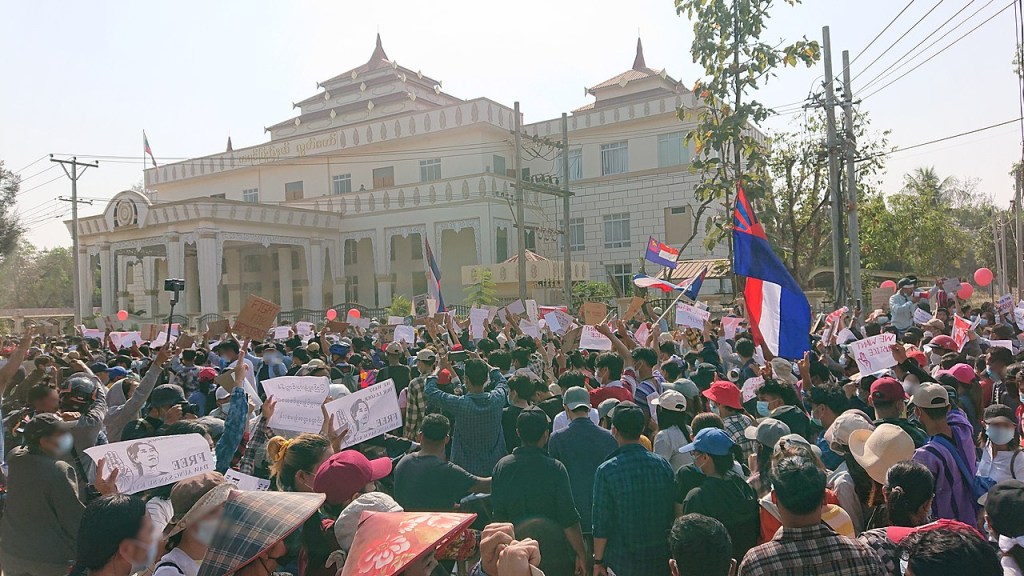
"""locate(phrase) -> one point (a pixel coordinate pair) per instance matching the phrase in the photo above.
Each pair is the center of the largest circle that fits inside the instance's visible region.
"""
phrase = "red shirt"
(603, 393)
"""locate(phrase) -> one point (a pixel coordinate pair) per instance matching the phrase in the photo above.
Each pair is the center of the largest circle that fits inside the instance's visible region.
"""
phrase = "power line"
(904, 35)
(937, 140)
(947, 47)
(34, 162)
(879, 35)
(26, 179)
(38, 186)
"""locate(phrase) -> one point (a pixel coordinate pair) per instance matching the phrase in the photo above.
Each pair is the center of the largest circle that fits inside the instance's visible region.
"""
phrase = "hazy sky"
(87, 77)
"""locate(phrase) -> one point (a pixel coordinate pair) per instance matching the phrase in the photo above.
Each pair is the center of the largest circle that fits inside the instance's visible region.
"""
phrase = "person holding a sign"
(903, 303)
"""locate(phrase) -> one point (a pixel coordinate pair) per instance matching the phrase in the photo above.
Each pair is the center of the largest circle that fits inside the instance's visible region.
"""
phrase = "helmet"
(944, 342)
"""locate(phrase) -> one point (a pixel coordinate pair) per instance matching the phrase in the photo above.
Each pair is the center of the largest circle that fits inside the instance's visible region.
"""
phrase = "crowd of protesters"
(685, 452)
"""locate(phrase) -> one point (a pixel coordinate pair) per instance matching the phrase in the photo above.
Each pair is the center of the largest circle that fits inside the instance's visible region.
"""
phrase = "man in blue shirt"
(633, 503)
(478, 442)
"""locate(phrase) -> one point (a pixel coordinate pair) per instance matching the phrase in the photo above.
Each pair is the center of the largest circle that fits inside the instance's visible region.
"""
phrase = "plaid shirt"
(415, 408)
(812, 550)
(478, 442)
(735, 426)
(634, 492)
(256, 449)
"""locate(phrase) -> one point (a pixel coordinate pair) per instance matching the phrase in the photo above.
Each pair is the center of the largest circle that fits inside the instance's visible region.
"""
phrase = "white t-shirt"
(999, 469)
(160, 512)
(562, 420)
(667, 444)
(189, 567)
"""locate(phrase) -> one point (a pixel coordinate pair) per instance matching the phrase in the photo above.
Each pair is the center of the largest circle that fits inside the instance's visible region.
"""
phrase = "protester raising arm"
(14, 362)
(257, 445)
(119, 416)
(234, 425)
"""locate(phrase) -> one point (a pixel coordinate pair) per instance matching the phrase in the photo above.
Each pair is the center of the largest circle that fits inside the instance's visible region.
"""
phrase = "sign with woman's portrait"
(151, 462)
(366, 413)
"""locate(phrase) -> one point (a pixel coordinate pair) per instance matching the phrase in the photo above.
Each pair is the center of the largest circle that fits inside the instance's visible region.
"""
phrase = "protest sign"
(516, 308)
(531, 311)
(628, 307)
(395, 321)
(880, 298)
(874, 354)
(845, 336)
(1008, 344)
(591, 339)
(148, 331)
(1005, 303)
(835, 314)
(405, 334)
(420, 306)
(246, 482)
(304, 328)
(593, 312)
(125, 339)
(492, 311)
(642, 334)
(387, 334)
(571, 340)
(282, 332)
(961, 327)
(185, 341)
(749, 390)
(730, 325)
(690, 316)
(337, 327)
(152, 462)
(920, 316)
(256, 318)
(363, 323)
(559, 322)
(298, 401)
(1018, 317)
(529, 328)
(477, 318)
(951, 285)
(367, 413)
(218, 328)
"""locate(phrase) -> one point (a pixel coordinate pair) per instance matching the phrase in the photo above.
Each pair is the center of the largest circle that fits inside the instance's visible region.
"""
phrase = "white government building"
(338, 205)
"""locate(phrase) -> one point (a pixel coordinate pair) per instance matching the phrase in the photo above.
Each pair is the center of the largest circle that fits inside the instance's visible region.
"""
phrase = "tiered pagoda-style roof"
(637, 83)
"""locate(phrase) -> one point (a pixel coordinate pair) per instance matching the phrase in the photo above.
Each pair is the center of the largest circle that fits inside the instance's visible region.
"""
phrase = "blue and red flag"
(661, 254)
(780, 316)
(693, 289)
(146, 149)
(645, 281)
(434, 279)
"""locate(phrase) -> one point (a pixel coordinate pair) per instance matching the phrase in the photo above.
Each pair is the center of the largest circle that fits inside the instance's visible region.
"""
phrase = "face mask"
(928, 335)
(934, 358)
(713, 407)
(64, 444)
(150, 557)
(1000, 435)
(817, 422)
(1022, 397)
(983, 322)
(762, 408)
(205, 531)
(225, 407)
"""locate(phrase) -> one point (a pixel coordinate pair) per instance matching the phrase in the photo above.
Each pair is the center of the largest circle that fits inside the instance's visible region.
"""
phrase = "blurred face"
(147, 456)
(48, 403)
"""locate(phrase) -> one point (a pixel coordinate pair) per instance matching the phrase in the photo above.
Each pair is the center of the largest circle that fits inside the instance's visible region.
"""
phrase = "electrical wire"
(937, 140)
(59, 176)
(27, 178)
(34, 162)
(891, 46)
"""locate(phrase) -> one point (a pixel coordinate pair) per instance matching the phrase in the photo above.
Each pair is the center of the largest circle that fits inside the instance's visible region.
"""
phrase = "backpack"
(980, 485)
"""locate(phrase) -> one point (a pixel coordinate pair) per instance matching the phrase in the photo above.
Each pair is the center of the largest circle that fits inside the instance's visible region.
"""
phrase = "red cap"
(922, 360)
(944, 342)
(887, 389)
(444, 377)
(724, 393)
(344, 475)
(207, 374)
(898, 533)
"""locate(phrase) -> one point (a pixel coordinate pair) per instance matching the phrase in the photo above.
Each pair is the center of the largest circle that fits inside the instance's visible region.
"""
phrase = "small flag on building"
(434, 279)
(146, 149)
(661, 253)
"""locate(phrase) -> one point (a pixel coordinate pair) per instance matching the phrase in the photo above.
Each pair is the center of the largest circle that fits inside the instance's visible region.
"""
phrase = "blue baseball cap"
(712, 441)
(338, 349)
(116, 373)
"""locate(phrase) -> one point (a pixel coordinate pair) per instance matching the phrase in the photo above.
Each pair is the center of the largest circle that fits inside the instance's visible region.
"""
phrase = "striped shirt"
(478, 441)
(812, 550)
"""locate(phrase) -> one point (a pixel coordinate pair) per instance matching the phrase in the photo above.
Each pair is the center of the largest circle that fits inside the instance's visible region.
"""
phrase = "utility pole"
(520, 199)
(832, 144)
(566, 248)
(853, 227)
(1018, 253)
(1004, 280)
(995, 248)
(74, 175)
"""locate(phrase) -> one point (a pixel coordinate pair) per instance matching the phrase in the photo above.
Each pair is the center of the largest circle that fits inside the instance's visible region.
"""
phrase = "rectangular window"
(672, 149)
(531, 240)
(416, 249)
(575, 164)
(430, 170)
(616, 230)
(614, 158)
(394, 248)
(499, 165)
(254, 288)
(351, 252)
(352, 289)
(576, 242)
(252, 263)
(501, 244)
(220, 196)
(341, 184)
(251, 195)
(622, 276)
(293, 191)
(275, 263)
(384, 177)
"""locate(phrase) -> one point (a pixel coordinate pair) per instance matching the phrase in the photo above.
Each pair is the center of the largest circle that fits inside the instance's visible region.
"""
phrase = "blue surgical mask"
(713, 407)
(762, 408)
(1000, 435)
(64, 444)
(150, 558)
(205, 530)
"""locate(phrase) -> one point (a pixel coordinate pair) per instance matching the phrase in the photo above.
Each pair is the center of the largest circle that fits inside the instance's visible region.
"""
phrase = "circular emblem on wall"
(124, 213)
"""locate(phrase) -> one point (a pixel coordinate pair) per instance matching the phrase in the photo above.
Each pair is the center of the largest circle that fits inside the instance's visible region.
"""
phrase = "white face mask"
(934, 358)
(225, 407)
(150, 557)
(205, 530)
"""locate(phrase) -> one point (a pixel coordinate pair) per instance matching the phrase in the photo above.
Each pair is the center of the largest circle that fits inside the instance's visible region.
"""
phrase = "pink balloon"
(983, 276)
(965, 291)
(332, 314)
(122, 315)
(353, 313)
(888, 284)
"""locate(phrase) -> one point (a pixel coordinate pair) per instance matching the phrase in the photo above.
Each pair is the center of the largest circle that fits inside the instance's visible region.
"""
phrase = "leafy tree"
(727, 44)
(10, 226)
(33, 278)
(400, 306)
(483, 292)
(591, 291)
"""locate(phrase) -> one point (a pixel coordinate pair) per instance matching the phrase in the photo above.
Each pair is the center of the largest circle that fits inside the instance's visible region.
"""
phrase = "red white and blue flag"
(780, 316)
(693, 289)
(661, 254)
(434, 279)
(690, 287)
(146, 149)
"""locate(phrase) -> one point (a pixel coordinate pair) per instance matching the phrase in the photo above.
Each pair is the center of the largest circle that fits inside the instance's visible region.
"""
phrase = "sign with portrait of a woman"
(151, 462)
(366, 413)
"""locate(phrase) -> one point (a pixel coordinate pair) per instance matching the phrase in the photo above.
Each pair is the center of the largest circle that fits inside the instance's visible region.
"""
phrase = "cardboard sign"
(591, 339)
(256, 318)
(880, 298)
(531, 311)
(593, 312)
(304, 328)
(642, 334)
(749, 390)
(961, 328)
(337, 327)
(185, 341)
(152, 462)
(387, 334)
(246, 482)
(874, 354)
(149, 332)
(298, 399)
(367, 413)
(571, 341)
(218, 328)
(921, 317)
(406, 334)
(559, 322)
(629, 307)
(730, 325)
(690, 316)
(529, 328)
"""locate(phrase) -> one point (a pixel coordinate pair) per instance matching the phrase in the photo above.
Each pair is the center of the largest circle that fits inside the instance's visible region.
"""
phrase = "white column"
(175, 269)
(85, 282)
(106, 280)
(315, 275)
(383, 290)
(150, 301)
(209, 256)
(285, 278)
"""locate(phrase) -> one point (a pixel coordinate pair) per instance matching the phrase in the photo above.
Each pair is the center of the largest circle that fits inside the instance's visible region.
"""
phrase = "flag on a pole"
(645, 281)
(434, 278)
(780, 315)
(693, 289)
(146, 149)
(661, 254)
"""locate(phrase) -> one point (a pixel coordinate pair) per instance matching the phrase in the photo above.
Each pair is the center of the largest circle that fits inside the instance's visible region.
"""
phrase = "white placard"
(591, 339)
(920, 316)
(246, 482)
(125, 339)
(1008, 344)
(395, 321)
(1005, 303)
(529, 328)
(367, 413)
(531, 311)
(1018, 316)
(730, 325)
(559, 322)
(690, 316)
(492, 311)
(749, 390)
(642, 334)
(845, 335)
(304, 328)
(152, 462)
(516, 307)
(406, 334)
(874, 354)
(282, 332)
(298, 399)
(363, 323)
(477, 318)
